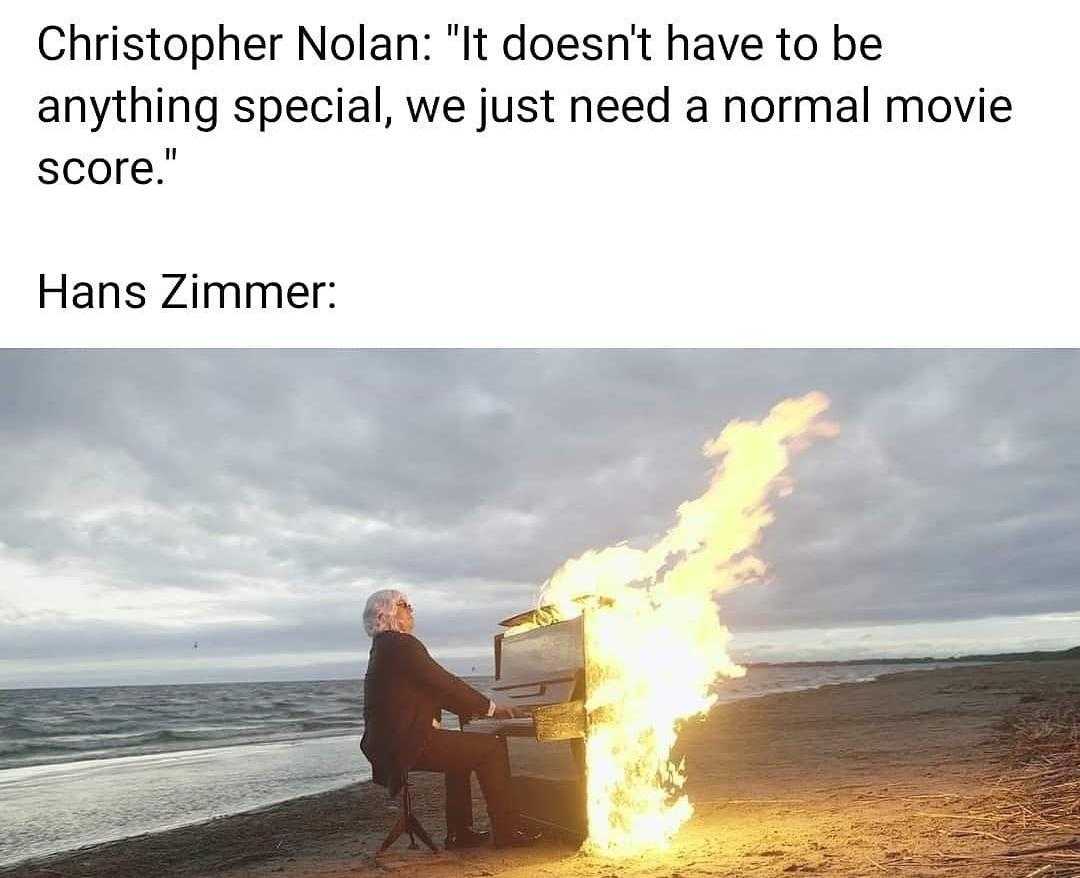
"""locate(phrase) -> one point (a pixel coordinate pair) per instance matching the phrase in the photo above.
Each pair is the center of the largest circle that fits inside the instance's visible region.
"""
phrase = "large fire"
(654, 639)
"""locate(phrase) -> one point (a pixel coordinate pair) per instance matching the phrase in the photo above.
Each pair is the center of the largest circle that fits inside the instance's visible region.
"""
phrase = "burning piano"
(543, 669)
(634, 633)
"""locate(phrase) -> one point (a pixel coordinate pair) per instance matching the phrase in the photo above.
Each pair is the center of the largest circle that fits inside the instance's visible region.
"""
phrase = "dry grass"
(1033, 811)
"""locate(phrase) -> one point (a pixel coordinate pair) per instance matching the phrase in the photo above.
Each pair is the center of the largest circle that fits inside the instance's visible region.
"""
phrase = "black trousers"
(458, 755)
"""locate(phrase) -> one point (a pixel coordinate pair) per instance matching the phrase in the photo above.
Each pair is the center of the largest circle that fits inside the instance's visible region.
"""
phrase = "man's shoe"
(519, 838)
(465, 838)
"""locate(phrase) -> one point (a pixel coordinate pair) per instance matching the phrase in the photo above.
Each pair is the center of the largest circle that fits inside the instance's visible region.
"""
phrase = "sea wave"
(327, 725)
(43, 726)
(35, 748)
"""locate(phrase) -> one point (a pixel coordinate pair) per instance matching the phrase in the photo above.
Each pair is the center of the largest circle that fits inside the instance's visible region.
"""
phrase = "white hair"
(380, 612)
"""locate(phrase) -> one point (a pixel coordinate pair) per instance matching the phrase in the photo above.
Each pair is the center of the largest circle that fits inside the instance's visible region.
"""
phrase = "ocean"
(82, 766)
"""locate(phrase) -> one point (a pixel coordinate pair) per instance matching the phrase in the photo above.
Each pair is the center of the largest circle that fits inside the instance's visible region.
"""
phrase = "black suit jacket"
(404, 690)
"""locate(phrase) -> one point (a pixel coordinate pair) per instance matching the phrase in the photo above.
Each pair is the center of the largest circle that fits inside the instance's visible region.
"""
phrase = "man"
(405, 692)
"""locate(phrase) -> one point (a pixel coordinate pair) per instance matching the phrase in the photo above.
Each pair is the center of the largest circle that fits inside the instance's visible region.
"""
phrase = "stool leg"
(394, 833)
(406, 803)
(414, 826)
(407, 822)
(424, 837)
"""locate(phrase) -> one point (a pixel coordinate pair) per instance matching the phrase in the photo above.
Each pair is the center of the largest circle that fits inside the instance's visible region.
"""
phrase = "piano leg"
(577, 753)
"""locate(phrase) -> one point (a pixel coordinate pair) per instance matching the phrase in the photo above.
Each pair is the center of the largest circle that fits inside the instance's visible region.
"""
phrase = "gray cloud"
(280, 487)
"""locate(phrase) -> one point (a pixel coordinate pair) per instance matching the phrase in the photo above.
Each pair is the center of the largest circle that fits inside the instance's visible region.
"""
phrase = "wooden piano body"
(545, 671)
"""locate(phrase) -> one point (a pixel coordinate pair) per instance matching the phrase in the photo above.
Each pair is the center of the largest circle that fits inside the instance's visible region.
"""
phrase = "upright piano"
(544, 671)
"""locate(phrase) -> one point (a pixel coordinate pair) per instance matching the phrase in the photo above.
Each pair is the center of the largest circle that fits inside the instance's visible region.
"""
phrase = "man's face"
(405, 616)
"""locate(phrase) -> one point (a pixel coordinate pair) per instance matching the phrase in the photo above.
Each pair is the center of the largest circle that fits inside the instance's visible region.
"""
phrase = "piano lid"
(527, 616)
(530, 615)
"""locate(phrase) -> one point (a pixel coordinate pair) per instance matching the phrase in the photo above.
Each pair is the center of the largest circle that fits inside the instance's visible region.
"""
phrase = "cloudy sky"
(250, 500)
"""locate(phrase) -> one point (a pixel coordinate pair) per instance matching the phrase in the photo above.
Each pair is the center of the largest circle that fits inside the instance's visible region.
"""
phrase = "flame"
(654, 640)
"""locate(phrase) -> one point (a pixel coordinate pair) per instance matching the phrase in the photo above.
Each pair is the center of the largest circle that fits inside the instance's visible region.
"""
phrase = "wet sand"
(897, 776)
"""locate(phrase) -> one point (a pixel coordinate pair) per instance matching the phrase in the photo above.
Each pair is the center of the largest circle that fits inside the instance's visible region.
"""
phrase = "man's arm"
(453, 693)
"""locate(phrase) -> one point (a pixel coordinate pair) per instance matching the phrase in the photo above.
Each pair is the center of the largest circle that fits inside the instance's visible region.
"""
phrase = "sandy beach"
(964, 771)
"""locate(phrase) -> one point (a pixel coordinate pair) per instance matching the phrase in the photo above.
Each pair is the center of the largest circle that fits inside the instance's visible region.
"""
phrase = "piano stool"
(407, 822)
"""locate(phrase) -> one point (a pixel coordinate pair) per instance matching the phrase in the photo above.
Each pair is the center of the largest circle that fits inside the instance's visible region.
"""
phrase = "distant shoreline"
(1032, 656)
(981, 658)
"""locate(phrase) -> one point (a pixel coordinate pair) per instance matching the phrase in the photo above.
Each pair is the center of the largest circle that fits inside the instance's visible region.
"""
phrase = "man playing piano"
(405, 691)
